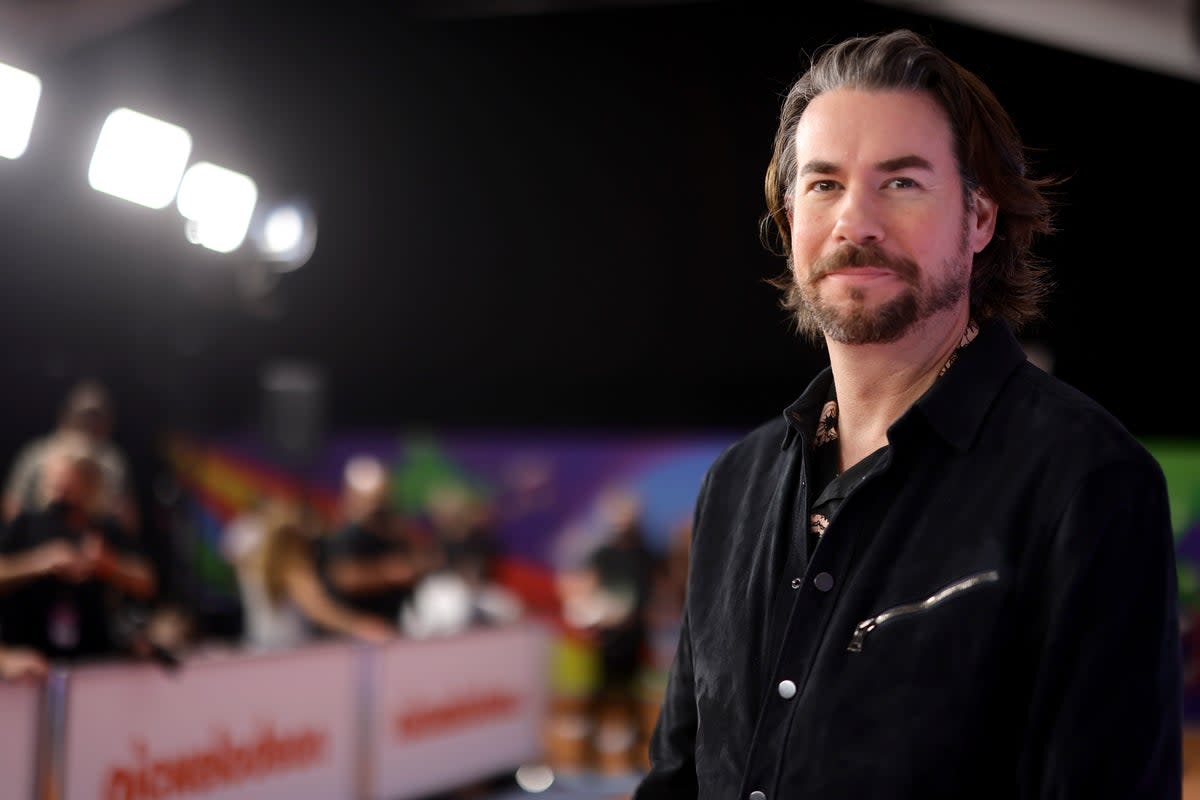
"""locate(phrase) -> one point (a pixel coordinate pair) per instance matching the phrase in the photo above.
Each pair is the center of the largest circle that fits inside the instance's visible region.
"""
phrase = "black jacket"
(992, 612)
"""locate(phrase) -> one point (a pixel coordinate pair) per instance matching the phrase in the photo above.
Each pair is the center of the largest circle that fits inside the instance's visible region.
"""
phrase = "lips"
(861, 272)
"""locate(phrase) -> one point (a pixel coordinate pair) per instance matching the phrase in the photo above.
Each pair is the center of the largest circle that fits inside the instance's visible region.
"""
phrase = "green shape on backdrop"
(1180, 462)
(422, 468)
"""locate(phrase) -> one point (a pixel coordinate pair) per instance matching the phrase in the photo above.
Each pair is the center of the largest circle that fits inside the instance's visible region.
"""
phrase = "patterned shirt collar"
(827, 420)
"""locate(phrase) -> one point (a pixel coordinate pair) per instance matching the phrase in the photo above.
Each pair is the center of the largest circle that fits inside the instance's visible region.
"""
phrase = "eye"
(822, 186)
(901, 183)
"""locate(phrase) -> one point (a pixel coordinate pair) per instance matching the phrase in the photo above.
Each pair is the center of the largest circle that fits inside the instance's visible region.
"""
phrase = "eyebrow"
(890, 165)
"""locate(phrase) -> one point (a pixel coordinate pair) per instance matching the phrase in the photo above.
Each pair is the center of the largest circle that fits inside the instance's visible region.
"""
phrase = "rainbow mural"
(544, 488)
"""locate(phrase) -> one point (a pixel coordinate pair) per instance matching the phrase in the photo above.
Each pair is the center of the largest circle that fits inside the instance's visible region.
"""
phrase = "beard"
(857, 322)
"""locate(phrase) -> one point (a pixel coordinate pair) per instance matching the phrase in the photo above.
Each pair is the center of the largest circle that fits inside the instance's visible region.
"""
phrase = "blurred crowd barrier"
(282, 681)
(327, 721)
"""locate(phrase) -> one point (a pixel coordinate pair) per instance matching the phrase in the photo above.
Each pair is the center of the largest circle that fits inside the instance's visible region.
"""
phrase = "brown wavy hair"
(286, 546)
(1007, 279)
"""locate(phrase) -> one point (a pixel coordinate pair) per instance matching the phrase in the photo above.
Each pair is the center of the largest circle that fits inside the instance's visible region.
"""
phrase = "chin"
(861, 336)
(883, 324)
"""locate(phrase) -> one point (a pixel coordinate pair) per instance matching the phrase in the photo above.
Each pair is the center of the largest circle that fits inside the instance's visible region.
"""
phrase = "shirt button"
(796, 583)
(787, 690)
(823, 581)
(758, 796)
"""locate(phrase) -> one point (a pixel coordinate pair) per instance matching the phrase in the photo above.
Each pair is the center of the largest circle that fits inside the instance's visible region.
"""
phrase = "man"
(367, 563)
(942, 572)
(621, 572)
(66, 569)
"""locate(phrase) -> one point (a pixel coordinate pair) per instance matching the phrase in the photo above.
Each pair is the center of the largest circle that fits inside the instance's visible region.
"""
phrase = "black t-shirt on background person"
(359, 543)
(63, 620)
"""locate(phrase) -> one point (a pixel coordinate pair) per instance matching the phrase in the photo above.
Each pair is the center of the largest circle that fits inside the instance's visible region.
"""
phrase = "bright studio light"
(284, 230)
(19, 95)
(139, 158)
(218, 204)
(287, 236)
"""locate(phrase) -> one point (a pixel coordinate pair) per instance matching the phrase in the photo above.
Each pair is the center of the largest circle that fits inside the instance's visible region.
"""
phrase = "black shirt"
(357, 542)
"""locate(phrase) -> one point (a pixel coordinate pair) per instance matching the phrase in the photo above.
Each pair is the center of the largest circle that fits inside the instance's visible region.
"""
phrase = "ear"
(981, 221)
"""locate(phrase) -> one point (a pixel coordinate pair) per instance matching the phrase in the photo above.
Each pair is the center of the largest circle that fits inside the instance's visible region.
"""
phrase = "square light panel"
(139, 158)
(19, 95)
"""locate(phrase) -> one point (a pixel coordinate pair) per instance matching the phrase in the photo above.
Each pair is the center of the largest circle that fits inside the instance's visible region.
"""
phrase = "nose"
(858, 220)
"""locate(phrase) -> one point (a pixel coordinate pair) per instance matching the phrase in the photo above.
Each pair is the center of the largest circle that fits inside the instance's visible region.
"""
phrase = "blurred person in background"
(88, 409)
(622, 570)
(463, 528)
(283, 599)
(609, 596)
(70, 569)
(368, 562)
(462, 589)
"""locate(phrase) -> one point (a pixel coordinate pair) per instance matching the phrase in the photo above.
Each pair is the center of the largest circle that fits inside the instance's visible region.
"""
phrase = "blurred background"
(504, 256)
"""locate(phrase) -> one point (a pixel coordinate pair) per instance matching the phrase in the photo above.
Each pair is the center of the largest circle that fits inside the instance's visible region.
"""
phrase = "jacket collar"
(957, 402)
(954, 406)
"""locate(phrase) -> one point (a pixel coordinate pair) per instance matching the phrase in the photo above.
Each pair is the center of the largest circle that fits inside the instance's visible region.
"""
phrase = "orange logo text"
(225, 762)
(420, 721)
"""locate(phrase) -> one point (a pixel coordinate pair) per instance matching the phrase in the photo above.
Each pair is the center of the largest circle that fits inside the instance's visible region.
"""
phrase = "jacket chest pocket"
(910, 610)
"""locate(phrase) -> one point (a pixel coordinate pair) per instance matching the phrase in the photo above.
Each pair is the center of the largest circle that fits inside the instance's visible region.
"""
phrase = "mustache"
(869, 255)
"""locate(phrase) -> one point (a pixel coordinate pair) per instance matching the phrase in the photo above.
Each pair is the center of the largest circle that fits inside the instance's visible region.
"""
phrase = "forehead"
(848, 126)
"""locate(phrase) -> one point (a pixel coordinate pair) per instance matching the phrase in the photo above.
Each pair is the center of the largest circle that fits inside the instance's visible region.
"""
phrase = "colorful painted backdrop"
(546, 486)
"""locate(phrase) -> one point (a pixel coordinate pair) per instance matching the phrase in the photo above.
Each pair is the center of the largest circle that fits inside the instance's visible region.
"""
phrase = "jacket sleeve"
(1105, 718)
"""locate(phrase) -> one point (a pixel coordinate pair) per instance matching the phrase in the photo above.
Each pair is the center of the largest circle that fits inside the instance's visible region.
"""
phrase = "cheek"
(807, 240)
(928, 239)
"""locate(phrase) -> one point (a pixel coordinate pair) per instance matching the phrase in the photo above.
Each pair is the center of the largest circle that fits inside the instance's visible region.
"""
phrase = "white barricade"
(444, 712)
(20, 712)
(236, 727)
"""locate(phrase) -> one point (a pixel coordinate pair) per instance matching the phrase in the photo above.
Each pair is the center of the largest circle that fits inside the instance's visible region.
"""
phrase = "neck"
(877, 383)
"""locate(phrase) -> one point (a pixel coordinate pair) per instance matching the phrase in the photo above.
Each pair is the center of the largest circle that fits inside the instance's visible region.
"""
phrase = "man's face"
(880, 237)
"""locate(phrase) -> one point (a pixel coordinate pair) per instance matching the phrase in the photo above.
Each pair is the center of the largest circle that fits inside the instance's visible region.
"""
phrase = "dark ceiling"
(531, 214)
